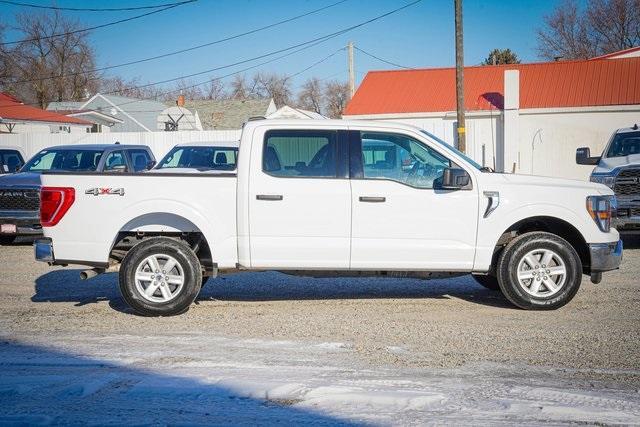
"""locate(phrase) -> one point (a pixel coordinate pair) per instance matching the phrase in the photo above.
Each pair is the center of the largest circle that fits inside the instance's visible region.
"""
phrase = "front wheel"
(539, 271)
(160, 277)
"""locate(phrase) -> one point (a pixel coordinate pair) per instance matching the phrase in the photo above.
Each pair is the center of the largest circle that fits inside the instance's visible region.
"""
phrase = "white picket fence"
(159, 142)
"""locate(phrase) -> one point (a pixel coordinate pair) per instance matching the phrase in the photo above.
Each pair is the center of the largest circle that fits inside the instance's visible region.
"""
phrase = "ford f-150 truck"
(619, 169)
(332, 197)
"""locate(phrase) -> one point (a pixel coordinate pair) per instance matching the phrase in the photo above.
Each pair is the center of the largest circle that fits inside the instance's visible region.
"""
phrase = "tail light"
(54, 204)
(601, 209)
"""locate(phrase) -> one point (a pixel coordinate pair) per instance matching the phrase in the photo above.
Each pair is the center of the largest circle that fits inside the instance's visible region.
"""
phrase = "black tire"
(514, 253)
(7, 240)
(187, 264)
(488, 281)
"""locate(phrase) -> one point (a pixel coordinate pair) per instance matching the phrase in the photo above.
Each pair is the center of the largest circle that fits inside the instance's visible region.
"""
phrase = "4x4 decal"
(105, 191)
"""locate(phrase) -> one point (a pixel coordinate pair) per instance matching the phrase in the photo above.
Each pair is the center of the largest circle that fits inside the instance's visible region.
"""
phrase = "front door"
(300, 200)
(401, 220)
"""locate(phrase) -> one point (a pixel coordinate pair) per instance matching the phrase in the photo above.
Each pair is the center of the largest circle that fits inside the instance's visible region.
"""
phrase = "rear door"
(299, 199)
(401, 220)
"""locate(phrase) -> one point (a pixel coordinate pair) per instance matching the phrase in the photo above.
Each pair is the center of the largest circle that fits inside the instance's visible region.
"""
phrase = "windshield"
(64, 160)
(459, 153)
(216, 158)
(624, 144)
(10, 161)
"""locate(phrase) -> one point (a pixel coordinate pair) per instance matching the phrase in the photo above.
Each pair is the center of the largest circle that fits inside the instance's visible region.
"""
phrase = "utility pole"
(462, 142)
(352, 72)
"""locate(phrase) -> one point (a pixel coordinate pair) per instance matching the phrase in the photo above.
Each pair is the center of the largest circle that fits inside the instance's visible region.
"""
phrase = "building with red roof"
(17, 117)
(528, 118)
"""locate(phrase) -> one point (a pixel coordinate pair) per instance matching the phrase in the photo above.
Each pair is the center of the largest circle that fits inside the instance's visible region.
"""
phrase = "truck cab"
(618, 167)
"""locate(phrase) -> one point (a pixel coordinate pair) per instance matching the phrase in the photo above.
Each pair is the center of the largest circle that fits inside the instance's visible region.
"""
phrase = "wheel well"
(548, 224)
(196, 240)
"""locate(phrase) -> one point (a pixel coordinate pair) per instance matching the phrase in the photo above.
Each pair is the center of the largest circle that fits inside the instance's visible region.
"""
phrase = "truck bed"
(107, 204)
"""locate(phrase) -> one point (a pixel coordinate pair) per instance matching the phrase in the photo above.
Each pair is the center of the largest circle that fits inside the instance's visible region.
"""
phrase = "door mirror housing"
(151, 164)
(583, 157)
(455, 179)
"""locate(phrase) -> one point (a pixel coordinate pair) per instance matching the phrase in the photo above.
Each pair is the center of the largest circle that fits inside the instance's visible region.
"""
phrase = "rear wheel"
(7, 240)
(160, 277)
(488, 281)
(539, 271)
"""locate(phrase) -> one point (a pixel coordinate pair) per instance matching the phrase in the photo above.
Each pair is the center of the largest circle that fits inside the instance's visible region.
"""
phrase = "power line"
(317, 39)
(315, 63)
(86, 9)
(300, 47)
(108, 24)
(381, 59)
(189, 49)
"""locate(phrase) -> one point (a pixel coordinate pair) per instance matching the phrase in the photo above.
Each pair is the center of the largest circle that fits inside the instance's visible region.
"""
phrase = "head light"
(608, 180)
(601, 210)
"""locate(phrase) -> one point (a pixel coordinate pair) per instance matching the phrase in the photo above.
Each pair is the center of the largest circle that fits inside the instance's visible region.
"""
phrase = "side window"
(402, 159)
(115, 162)
(300, 154)
(139, 160)
(45, 162)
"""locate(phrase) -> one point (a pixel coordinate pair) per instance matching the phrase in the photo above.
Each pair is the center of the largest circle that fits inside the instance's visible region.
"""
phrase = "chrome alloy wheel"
(159, 278)
(542, 273)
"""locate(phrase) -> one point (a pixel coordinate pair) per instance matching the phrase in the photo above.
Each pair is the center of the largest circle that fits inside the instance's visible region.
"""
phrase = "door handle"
(373, 199)
(270, 197)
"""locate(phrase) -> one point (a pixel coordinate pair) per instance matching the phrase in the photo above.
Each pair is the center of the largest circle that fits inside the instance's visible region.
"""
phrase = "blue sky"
(419, 36)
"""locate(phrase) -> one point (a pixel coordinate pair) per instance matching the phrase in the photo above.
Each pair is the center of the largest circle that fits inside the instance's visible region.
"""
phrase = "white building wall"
(547, 142)
(159, 142)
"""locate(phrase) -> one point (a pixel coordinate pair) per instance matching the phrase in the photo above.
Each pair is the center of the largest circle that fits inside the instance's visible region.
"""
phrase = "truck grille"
(627, 182)
(19, 200)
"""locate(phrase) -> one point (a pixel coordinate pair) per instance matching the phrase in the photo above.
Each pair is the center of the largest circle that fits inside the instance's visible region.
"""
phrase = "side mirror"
(151, 164)
(455, 179)
(18, 167)
(583, 157)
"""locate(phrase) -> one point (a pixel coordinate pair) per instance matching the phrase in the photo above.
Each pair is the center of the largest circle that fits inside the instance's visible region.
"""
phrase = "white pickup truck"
(332, 197)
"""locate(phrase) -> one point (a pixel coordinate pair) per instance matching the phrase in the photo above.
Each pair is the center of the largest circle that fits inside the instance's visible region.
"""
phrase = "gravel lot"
(438, 323)
(270, 348)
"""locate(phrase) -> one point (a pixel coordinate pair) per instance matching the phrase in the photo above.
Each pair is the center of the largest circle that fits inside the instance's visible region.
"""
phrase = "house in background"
(102, 122)
(229, 114)
(527, 118)
(286, 112)
(17, 117)
(178, 118)
(132, 114)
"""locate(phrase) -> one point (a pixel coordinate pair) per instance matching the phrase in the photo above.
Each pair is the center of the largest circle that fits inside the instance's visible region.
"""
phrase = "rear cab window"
(300, 153)
(201, 157)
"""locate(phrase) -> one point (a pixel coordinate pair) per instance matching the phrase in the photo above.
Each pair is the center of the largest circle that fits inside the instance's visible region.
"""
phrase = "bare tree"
(336, 95)
(215, 90)
(311, 96)
(565, 34)
(239, 89)
(272, 85)
(615, 23)
(605, 26)
(45, 68)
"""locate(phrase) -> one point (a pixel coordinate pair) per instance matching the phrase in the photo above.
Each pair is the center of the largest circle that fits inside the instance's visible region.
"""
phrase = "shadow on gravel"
(631, 241)
(65, 286)
(41, 386)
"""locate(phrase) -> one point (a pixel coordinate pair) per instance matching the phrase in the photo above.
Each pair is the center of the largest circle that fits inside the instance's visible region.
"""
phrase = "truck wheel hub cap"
(541, 273)
(159, 278)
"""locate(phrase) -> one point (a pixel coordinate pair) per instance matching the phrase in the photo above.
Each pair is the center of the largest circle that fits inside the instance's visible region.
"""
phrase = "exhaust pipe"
(88, 274)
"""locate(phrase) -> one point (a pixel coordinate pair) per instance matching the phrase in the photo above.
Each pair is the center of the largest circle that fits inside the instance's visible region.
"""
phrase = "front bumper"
(605, 256)
(43, 250)
(27, 223)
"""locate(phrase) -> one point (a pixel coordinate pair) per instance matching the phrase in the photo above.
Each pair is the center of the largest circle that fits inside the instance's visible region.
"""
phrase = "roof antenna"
(117, 142)
(635, 127)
